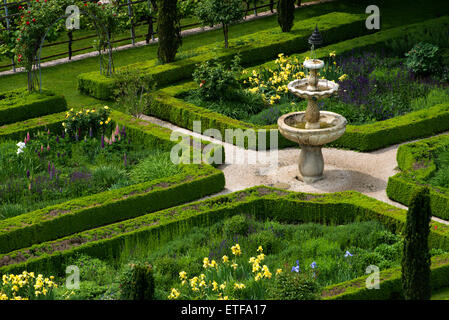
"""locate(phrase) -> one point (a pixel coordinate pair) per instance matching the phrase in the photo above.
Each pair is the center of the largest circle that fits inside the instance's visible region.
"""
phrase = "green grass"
(442, 294)
(62, 78)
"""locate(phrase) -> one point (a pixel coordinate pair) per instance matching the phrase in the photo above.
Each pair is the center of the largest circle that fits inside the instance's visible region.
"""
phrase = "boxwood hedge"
(52, 222)
(154, 229)
(253, 49)
(18, 105)
(416, 161)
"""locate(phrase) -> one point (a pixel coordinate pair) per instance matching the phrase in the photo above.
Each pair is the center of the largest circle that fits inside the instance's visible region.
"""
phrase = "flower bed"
(366, 137)
(18, 105)
(242, 258)
(189, 182)
(336, 26)
(423, 163)
(150, 232)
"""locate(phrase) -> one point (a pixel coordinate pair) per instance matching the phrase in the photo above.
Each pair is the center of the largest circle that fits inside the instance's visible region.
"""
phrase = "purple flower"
(313, 265)
(102, 141)
(296, 268)
(28, 174)
(348, 254)
(125, 160)
(90, 132)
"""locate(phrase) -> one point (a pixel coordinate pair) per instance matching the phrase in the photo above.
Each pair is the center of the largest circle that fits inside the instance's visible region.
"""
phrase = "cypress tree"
(169, 30)
(416, 256)
(286, 14)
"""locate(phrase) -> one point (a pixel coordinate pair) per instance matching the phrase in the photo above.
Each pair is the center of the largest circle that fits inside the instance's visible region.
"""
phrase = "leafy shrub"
(423, 59)
(294, 286)
(267, 239)
(131, 91)
(237, 225)
(86, 122)
(137, 282)
(216, 80)
(93, 269)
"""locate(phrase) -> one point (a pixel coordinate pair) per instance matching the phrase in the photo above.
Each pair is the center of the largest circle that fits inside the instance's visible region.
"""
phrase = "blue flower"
(348, 254)
(313, 265)
(296, 269)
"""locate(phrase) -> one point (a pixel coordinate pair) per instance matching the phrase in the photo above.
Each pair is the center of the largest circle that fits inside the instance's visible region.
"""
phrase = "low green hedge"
(154, 229)
(18, 105)
(195, 181)
(390, 283)
(366, 137)
(253, 49)
(416, 161)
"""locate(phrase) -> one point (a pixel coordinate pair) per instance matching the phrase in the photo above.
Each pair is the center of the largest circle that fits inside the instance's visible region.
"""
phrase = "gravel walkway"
(143, 43)
(365, 172)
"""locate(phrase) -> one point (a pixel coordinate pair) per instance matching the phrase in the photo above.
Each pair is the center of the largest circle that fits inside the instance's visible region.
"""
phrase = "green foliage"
(169, 30)
(216, 80)
(18, 105)
(423, 59)
(255, 49)
(286, 14)
(131, 91)
(224, 12)
(137, 282)
(87, 122)
(416, 257)
(156, 166)
(237, 225)
(294, 286)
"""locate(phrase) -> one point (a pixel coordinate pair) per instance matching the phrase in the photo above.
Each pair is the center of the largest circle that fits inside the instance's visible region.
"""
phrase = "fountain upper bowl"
(334, 128)
(326, 88)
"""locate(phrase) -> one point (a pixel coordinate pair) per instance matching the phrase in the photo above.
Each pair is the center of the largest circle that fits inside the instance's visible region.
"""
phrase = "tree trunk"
(225, 32)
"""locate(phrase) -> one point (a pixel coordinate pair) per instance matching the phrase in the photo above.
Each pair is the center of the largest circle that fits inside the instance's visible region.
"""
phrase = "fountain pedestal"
(310, 164)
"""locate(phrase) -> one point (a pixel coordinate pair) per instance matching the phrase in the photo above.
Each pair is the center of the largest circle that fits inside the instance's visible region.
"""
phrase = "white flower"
(21, 144)
(19, 151)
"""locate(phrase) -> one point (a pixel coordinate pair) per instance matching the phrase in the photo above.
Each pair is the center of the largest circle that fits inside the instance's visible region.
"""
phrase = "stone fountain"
(313, 128)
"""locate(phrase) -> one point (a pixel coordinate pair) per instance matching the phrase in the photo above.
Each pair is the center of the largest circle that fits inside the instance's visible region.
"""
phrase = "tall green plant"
(416, 256)
(224, 12)
(286, 14)
(169, 30)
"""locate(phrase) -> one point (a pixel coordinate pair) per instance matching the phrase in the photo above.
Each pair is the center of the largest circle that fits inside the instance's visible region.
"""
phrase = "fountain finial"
(316, 39)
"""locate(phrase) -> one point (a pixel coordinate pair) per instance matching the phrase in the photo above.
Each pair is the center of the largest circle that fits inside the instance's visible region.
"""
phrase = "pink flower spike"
(42, 148)
(117, 130)
(28, 137)
(113, 138)
(48, 147)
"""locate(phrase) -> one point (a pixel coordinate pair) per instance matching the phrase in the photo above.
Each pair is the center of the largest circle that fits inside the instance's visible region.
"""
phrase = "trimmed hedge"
(253, 49)
(18, 105)
(390, 283)
(154, 229)
(366, 137)
(52, 222)
(416, 161)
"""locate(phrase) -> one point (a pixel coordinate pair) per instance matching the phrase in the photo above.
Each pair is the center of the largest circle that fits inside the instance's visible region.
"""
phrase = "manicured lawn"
(62, 78)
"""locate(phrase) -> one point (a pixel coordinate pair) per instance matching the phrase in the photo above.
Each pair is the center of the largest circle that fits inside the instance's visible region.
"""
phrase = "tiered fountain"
(312, 128)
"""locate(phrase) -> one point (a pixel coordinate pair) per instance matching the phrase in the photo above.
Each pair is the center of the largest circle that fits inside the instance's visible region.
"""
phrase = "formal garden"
(108, 191)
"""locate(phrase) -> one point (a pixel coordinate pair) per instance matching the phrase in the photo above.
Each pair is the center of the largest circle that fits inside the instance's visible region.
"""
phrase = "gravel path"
(143, 43)
(365, 172)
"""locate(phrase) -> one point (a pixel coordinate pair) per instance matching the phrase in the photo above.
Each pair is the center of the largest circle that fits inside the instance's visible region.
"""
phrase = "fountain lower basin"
(311, 162)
